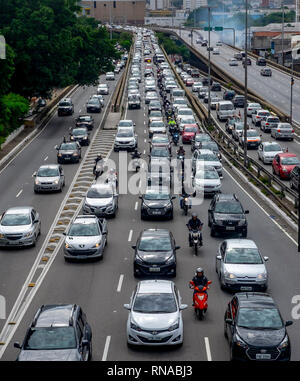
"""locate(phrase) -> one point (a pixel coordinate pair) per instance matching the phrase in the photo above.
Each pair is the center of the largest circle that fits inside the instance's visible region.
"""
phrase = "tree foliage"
(173, 46)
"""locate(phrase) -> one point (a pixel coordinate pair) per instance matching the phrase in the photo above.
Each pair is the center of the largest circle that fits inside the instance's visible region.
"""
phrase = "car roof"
(226, 197)
(287, 154)
(19, 210)
(240, 243)
(85, 219)
(100, 186)
(205, 151)
(155, 286)
(54, 315)
(255, 299)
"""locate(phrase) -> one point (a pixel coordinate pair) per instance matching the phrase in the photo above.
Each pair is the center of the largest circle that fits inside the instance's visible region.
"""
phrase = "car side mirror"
(17, 345)
(127, 307)
(34, 175)
(173, 197)
(246, 211)
(133, 246)
(56, 147)
(64, 233)
(266, 259)
(287, 323)
(177, 247)
(219, 257)
(229, 321)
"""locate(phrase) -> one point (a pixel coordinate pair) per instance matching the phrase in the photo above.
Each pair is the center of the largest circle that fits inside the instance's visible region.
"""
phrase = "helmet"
(194, 215)
(181, 147)
(200, 270)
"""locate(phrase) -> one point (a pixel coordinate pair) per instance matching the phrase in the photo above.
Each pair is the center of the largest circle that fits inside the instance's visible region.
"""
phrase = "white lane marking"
(266, 213)
(46, 158)
(130, 235)
(145, 131)
(106, 347)
(207, 347)
(144, 122)
(136, 206)
(144, 151)
(145, 140)
(19, 193)
(120, 283)
(79, 111)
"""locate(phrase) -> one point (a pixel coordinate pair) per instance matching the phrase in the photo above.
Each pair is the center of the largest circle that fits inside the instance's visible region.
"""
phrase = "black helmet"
(199, 271)
(181, 147)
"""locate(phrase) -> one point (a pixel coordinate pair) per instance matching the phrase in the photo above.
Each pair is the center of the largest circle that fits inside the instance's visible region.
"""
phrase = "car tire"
(90, 352)
(34, 242)
(212, 232)
(291, 185)
(244, 233)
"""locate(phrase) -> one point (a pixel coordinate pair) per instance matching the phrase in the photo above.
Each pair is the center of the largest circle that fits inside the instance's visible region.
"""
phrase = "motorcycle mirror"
(173, 197)
(140, 197)
(209, 282)
(183, 307)
(229, 321)
(266, 259)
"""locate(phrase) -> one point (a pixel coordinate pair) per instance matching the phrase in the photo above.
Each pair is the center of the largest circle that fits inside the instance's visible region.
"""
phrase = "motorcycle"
(98, 168)
(195, 239)
(175, 138)
(200, 299)
(186, 205)
(112, 178)
(136, 163)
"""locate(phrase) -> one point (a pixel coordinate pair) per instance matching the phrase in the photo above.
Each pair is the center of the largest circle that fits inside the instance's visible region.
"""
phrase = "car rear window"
(50, 338)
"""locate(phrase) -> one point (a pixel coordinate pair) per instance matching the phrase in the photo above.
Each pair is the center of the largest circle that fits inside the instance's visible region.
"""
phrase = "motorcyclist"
(182, 197)
(199, 279)
(194, 224)
(171, 125)
(181, 151)
(136, 154)
(98, 158)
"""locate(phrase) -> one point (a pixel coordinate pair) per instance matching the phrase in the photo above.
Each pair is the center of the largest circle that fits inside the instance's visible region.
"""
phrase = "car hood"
(84, 242)
(15, 229)
(205, 182)
(47, 179)
(154, 321)
(271, 154)
(118, 139)
(156, 203)
(188, 134)
(242, 270)
(154, 256)
(224, 216)
(261, 337)
(99, 201)
(49, 355)
(289, 168)
(66, 152)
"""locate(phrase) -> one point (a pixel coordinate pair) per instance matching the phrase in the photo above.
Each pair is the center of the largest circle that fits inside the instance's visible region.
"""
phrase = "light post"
(246, 85)
(292, 84)
(282, 34)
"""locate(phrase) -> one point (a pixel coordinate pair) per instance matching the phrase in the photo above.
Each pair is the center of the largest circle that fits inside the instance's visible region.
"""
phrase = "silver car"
(240, 266)
(157, 127)
(206, 181)
(86, 238)
(155, 314)
(110, 76)
(49, 178)
(125, 139)
(252, 107)
(205, 157)
(283, 131)
(101, 200)
(103, 89)
(151, 96)
(267, 151)
(19, 226)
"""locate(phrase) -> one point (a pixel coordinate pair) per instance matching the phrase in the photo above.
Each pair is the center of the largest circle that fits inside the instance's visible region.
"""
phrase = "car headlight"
(85, 137)
(284, 343)
(241, 343)
(168, 206)
(242, 222)
(262, 276)
(138, 259)
(174, 326)
(29, 234)
(56, 182)
(37, 182)
(1, 235)
(97, 245)
(72, 137)
(135, 326)
(75, 154)
(218, 222)
(109, 207)
(170, 260)
(229, 275)
(68, 246)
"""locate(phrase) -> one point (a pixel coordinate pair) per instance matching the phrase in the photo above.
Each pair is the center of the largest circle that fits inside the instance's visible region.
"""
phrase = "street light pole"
(282, 34)
(292, 84)
(110, 21)
(209, 65)
(246, 86)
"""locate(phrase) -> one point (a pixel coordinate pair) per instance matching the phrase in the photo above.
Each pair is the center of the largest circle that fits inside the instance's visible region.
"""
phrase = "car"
(233, 62)
(126, 123)
(155, 314)
(255, 329)
(58, 332)
(172, 85)
(225, 110)
(283, 131)
(103, 89)
(179, 103)
(93, 105)
(101, 200)
(240, 266)
(198, 41)
(257, 116)
(159, 173)
(176, 93)
(238, 56)
(238, 101)
(85, 121)
(157, 127)
(229, 125)
(216, 86)
(195, 73)
(248, 62)
(284, 163)
(160, 141)
(202, 91)
(134, 101)
(155, 115)
(212, 146)
(19, 226)
(125, 139)
(227, 215)
(86, 238)
(188, 133)
(198, 139)
(100, 98)
(117, 69)
(159, 152)
(189, 82)
(216, 51)
(210, 48)
(294, 178)
(137, 76)
(184, 112)
(253, 138)
(214, 100)
(81, 135)
(266, 72)
(269, 122)
(204, 43)
(150, 96)
(261, 61)
(157, 203)
(68, 152)
(154, 105)
(49, 177)
(204, 157)
(228, 95)
(252, 107)
(206, 181)
(148, 73)
(65, 107)
(267, 151)
(206, 81)
(110, 76)
(134, 91)
(196, 86)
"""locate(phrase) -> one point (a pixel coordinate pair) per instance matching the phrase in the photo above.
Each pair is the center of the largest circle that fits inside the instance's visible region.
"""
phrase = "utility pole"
(292, 85)
(282, 34)
(110, 19)
(246, 86)
(209, 65)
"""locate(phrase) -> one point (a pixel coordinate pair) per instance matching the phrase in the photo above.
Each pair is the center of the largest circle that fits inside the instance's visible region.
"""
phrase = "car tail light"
(278, 130)
(267, 124)
(257, 116)
(293, 131)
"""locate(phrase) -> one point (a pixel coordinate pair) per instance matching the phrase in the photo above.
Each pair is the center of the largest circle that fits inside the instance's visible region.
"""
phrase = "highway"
(103, 287)
(275, 89)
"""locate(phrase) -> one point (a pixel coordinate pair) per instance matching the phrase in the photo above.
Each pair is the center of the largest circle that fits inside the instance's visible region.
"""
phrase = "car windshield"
(185, 112)
(64, 104)
(259, 318)
(244, 256)
(157, 124)
(155, 303)
(125, 123)
(211, 146)
(272, 147)
(83, 230)
(239, 126)
(207, 175)
(202, 137)
(79, 131)
(154, 243)
(155, 113)
(188, 121)
(50, 338)
(290, 161)
(48, 172)
(264, 113)
(190, 129)
(125, 133)
(103, 86)
(160, 139)
(99, 193)
(16, 219)
(180, 102)
(156, 196)
(207, 157)
(159, 152)
(226, 107)
(285, 126)
(84, 119)
(251, 134)
(228, 207)
(68, 146)
(93, 101)
(273, 120)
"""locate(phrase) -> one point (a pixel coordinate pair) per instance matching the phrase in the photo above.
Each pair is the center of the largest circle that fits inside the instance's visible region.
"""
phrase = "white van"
(225, 110)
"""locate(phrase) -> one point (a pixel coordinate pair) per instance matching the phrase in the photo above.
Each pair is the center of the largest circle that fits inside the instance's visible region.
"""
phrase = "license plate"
(263, 356)
(154, 269)
(230, 228)
(156, 212)
(67, 158)
(244, 288)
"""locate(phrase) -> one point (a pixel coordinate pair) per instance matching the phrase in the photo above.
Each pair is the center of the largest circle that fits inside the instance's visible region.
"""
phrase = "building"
(178, 19)
(193, 4)
(156, 5)
(115, 11)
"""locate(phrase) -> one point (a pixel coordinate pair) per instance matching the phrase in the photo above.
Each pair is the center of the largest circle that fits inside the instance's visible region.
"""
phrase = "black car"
(93, 105)
(248, 61)
(156, 204)
(228, 95)
(205, 81)
(155, 253)
(204, 43)
(261, 61)
(227, 215)
(65, 107)
(85, 121)
(81, 135)
(239, 101)
(58, 333)
(216, 86)
(294, 178)
(255, 329)
(68, 152)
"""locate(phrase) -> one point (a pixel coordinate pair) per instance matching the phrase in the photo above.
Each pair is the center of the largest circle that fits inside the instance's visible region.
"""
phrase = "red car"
(284, 163)
(189, 81)
(188, 133)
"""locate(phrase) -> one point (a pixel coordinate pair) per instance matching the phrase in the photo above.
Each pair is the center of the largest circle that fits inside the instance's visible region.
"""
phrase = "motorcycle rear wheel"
(199, 314)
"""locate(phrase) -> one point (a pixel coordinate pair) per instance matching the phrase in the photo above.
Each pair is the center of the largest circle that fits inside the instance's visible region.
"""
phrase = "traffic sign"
(218, 28)
(207, 28)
